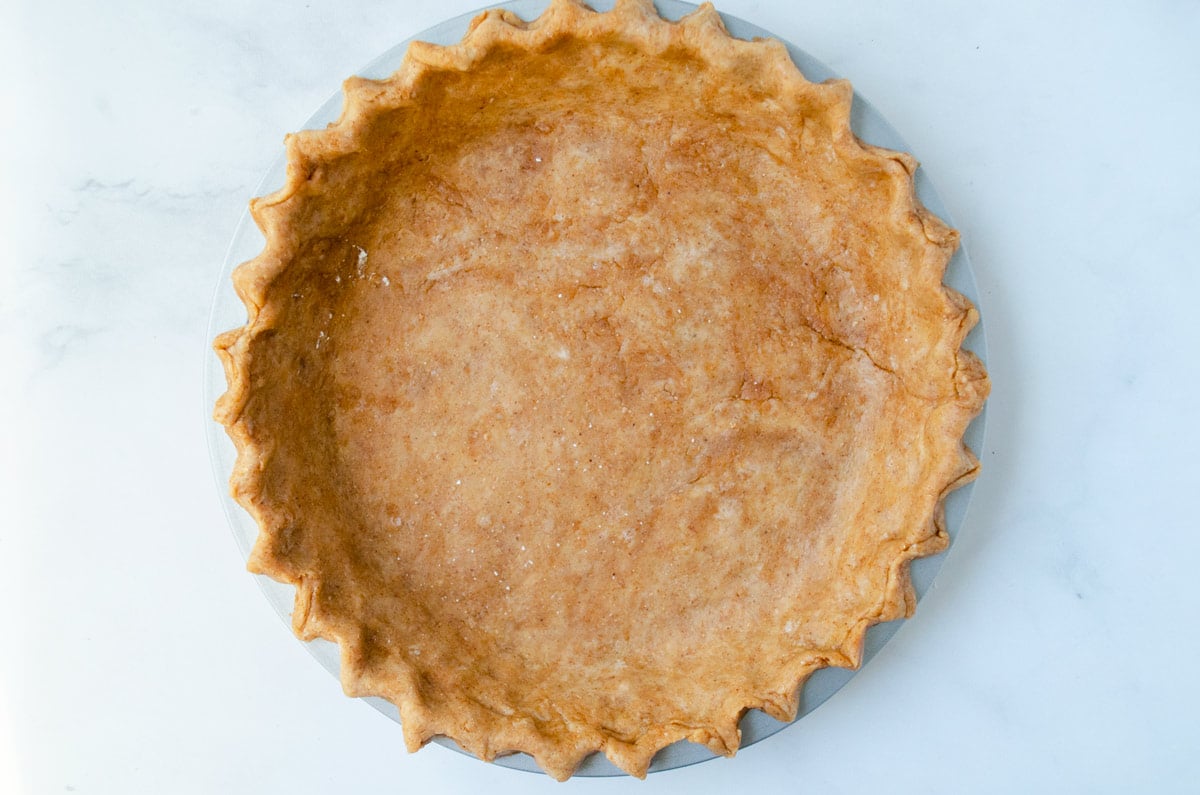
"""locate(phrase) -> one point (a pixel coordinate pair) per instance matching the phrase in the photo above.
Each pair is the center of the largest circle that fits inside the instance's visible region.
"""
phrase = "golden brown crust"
(597, 385)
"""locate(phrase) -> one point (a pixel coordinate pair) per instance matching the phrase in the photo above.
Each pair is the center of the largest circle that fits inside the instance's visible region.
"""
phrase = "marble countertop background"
(1058, 648)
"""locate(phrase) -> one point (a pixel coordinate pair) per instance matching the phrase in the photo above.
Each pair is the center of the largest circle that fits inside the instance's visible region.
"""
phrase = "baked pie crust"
(598, 385)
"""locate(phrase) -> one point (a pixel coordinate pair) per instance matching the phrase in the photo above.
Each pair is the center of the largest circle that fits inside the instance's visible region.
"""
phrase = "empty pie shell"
(598, 385)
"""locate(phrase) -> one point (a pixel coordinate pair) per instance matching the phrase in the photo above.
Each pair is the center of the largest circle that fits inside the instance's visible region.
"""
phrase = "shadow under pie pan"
(228, 312)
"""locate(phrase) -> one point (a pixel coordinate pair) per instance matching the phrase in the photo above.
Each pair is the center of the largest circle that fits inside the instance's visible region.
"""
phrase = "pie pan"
(228, 312)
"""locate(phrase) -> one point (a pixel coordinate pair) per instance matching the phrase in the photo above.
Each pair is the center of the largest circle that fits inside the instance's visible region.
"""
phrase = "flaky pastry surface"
(598, 385)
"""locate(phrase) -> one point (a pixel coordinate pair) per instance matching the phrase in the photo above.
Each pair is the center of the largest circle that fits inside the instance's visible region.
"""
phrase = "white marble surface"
(1057, 649)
